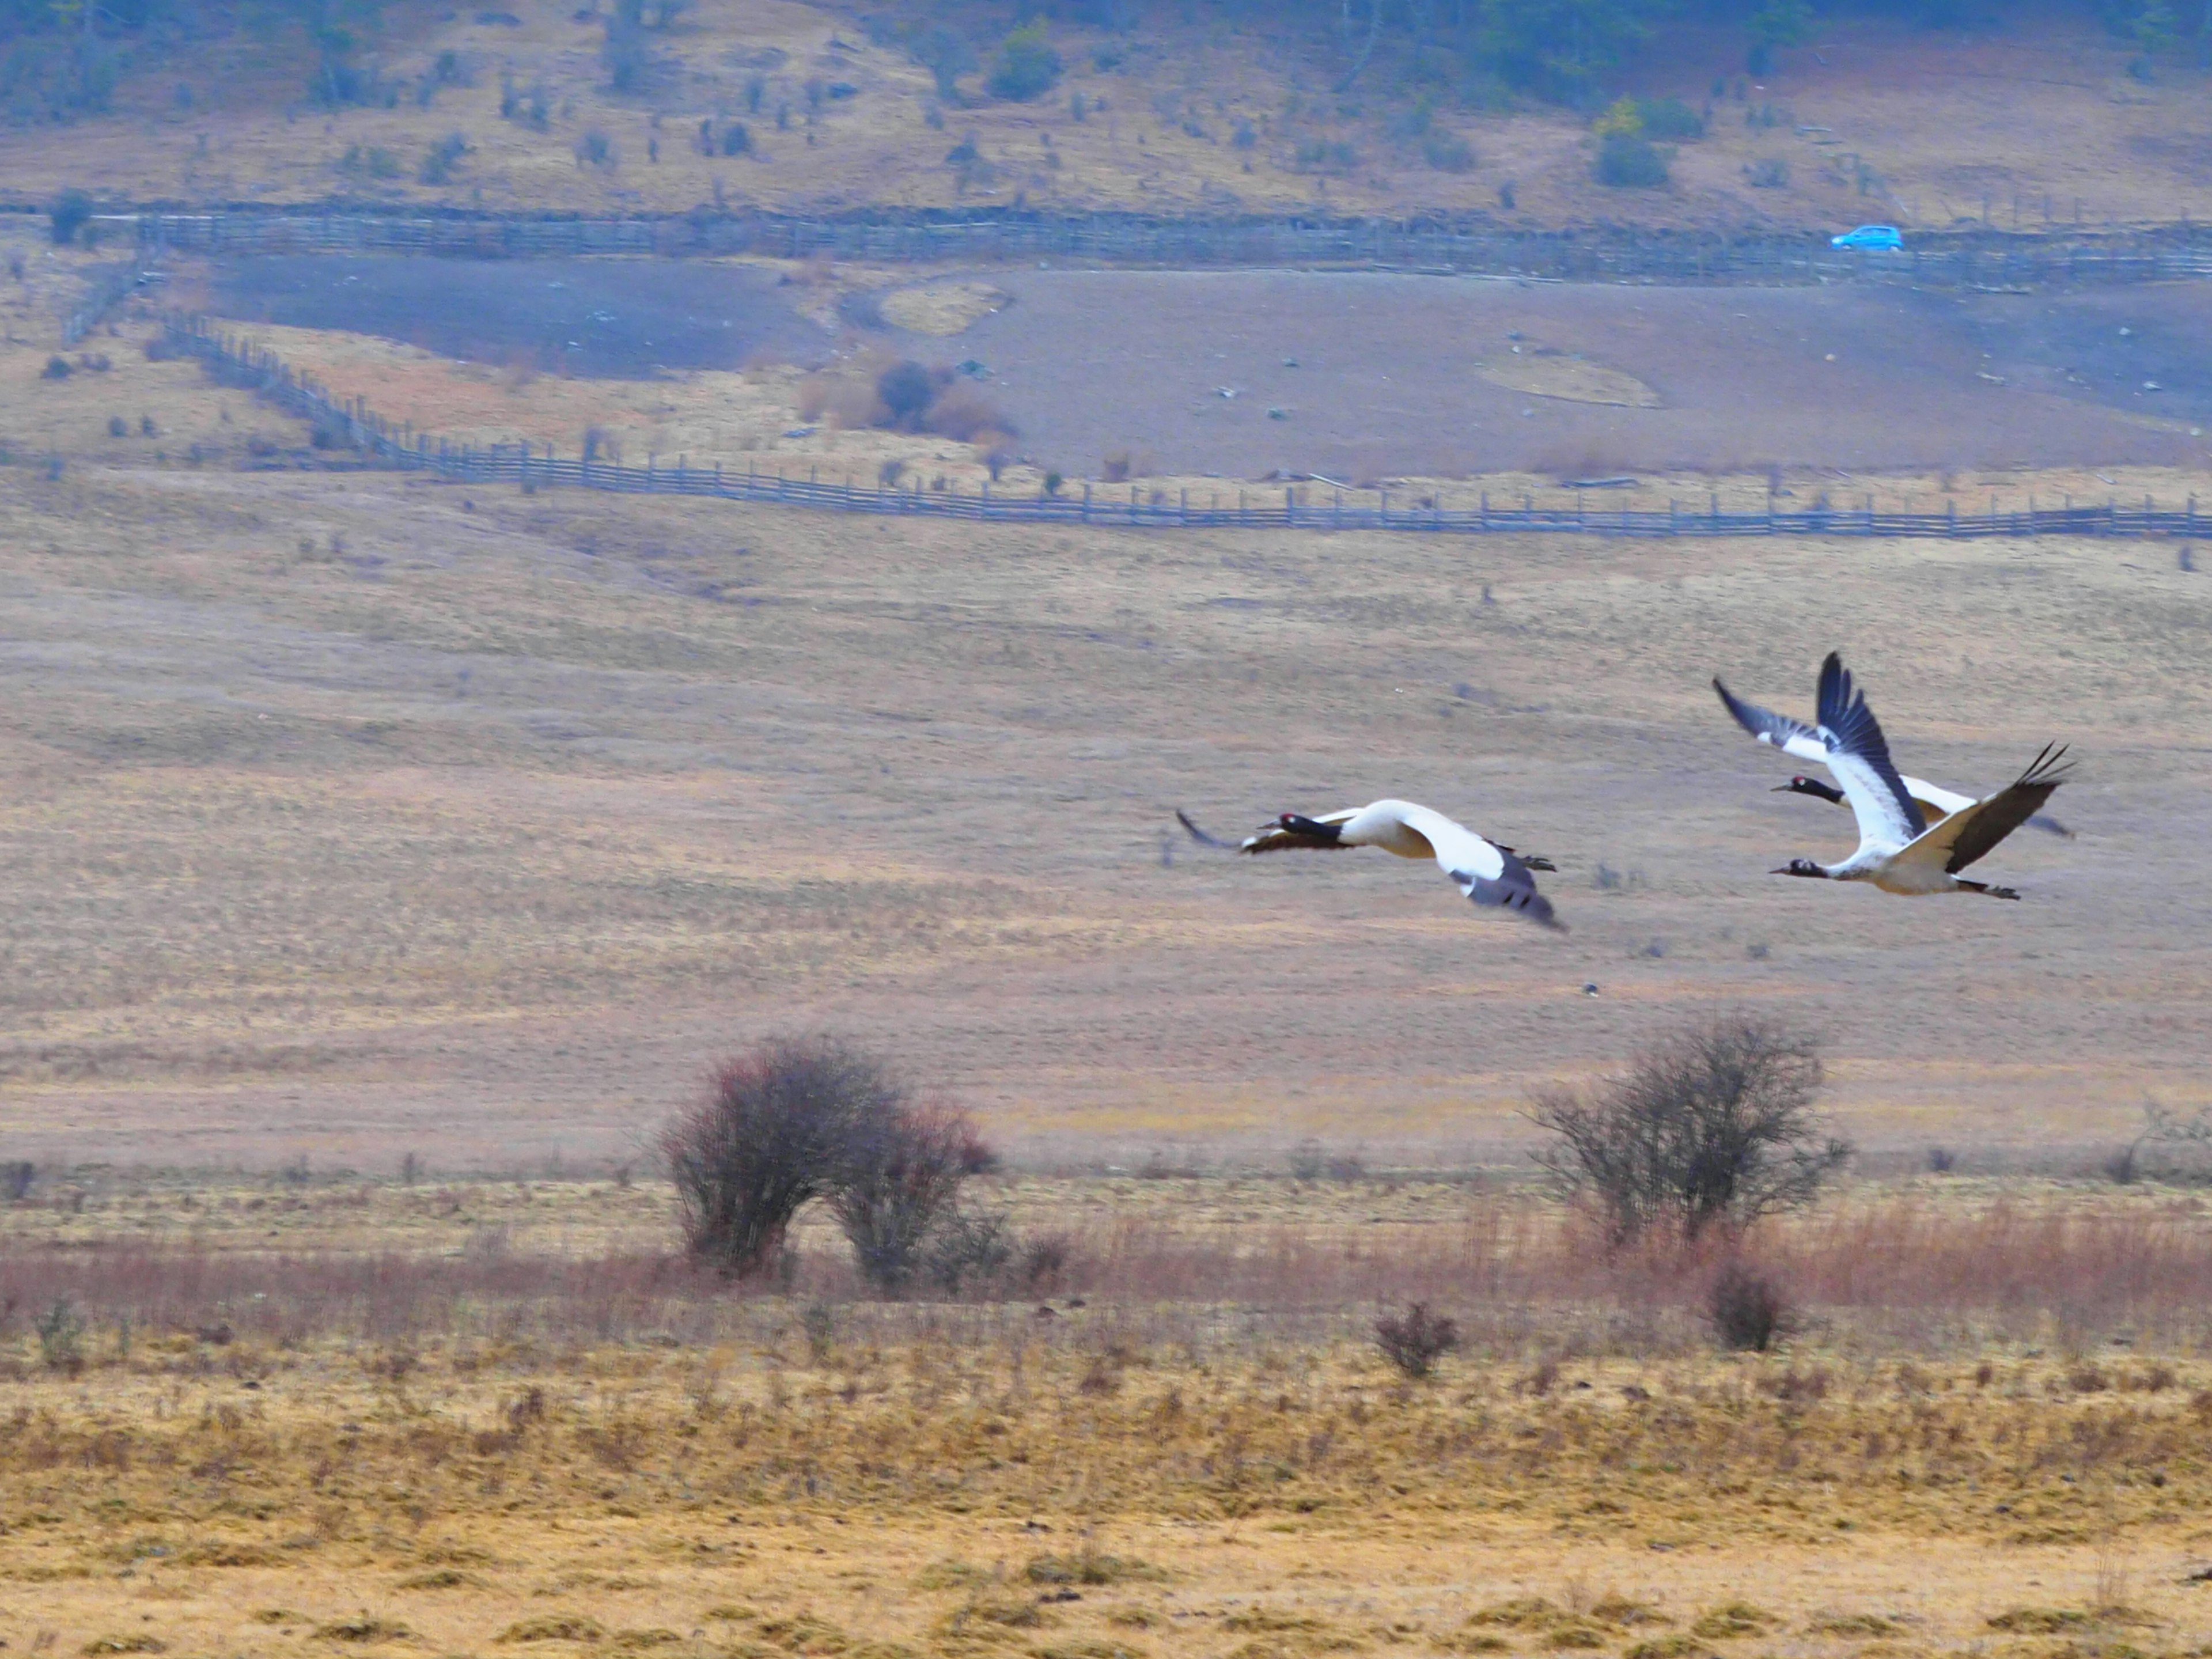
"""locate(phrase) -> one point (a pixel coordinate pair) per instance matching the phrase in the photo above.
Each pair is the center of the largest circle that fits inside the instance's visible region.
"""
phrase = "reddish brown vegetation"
(1511, 1268)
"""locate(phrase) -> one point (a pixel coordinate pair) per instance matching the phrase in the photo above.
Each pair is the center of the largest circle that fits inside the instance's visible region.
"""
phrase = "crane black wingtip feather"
(1202, 837)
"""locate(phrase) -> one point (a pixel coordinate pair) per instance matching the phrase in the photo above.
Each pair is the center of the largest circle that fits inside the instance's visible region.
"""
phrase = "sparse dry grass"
(561, 1255)
(1123, 1473)
(350, 813)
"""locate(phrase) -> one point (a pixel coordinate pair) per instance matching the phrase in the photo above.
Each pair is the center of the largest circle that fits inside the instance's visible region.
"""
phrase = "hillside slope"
(2034, 122)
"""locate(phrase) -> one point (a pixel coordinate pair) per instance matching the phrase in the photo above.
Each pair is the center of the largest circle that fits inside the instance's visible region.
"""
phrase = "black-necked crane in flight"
(1794, 736)
(1897, 852)
(1486, 871)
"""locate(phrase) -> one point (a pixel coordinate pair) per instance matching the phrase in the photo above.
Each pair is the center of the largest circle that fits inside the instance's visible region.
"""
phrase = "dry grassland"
(1947, 124)
(354, 819)
(350, 813)
(312, 1414)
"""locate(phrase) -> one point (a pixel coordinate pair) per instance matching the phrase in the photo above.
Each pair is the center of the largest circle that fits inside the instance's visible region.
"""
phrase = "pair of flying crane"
(1914, 837)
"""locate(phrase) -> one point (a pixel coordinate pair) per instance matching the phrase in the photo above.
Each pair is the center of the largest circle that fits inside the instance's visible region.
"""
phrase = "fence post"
(1086, 501)
(1185, 508)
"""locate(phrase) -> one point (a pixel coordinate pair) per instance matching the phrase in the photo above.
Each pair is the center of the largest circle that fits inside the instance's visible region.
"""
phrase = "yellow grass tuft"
(554, 1627)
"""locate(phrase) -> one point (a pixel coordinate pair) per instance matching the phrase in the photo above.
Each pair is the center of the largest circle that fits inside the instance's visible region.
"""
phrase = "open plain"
(348, 807)
(383, 860)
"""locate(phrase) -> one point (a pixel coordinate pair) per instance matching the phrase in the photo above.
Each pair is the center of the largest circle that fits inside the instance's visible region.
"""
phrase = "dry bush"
(905, 389)
(1748, 1309)
(1714, 1126)
(1416, 1340)
(778, 1129)
(900, 1186)
(899, 395)
(847, 400)
(961, 410)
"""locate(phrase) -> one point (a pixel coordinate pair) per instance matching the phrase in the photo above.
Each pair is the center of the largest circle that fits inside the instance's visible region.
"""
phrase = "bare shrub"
(1748, 1309)
(1043, 1262)
(17, 1177)
(964, 412)
(1416, 1340)
(968, 1251)
(1447, 152)
(1714, 1124)
(61, 1338)
(1628, 160)
(775, 1132)
(2170, 1148)
(905, 389)
(902, 1176)
(1311, 1161)
(1116, 468)
(71, 211)
(846, 400)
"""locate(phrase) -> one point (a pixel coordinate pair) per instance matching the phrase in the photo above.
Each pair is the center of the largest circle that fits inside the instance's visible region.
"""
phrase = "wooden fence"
(350, 421)
(1940, 259)
(110, 290)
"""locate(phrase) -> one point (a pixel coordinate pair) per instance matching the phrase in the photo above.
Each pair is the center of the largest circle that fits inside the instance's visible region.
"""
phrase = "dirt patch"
(625, 320)
(942, 308)
(1360, 377)
(1547, 372)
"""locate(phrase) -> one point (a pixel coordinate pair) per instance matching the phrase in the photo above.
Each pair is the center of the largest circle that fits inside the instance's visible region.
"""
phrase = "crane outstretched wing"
(1792, 736)
(1273, 836)
(1486, 872)
(1859, 757)
(1966, 836)
(1203, 837)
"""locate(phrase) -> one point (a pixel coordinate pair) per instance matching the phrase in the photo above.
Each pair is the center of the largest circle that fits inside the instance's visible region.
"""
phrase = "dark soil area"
(1361, 376)
(604, 319)
(2145, 349)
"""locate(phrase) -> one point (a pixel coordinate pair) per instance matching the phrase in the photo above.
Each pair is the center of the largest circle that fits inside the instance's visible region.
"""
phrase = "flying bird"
(1897, 852)
(1796, 737)
(1487, 872)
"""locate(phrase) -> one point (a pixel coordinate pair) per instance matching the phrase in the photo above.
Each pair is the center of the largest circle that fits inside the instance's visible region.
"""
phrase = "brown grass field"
(2029, 123)
(350, 812)
(307, 1416)
(381, 861)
